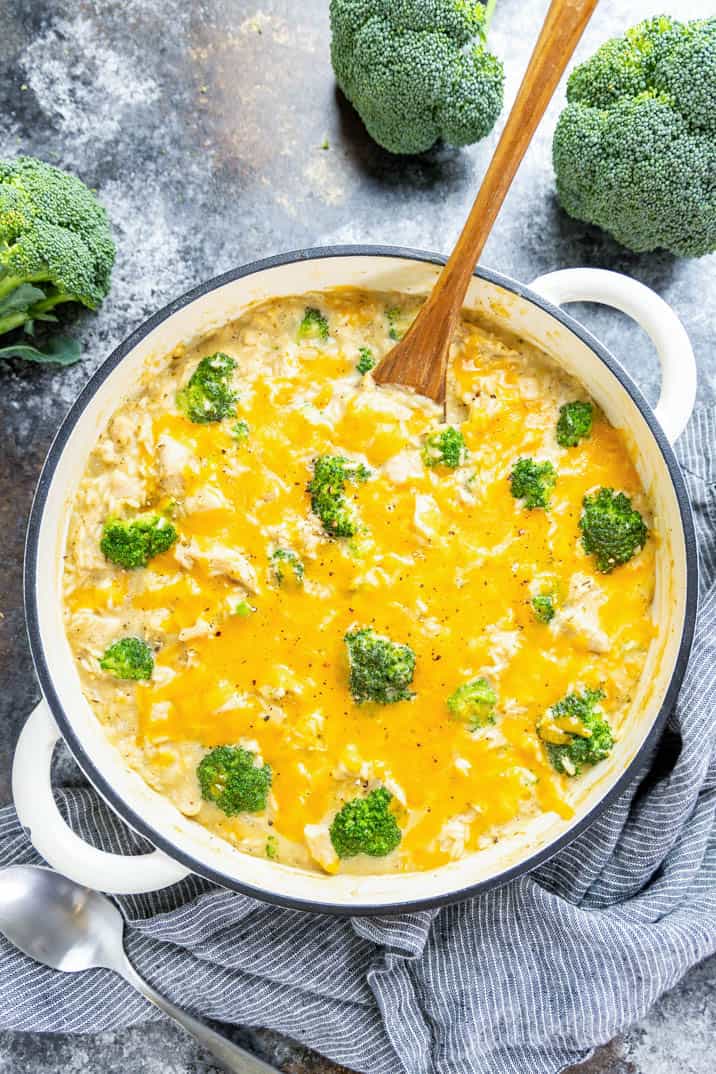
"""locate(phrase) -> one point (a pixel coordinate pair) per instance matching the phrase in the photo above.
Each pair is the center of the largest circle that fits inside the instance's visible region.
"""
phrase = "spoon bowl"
(71, 928)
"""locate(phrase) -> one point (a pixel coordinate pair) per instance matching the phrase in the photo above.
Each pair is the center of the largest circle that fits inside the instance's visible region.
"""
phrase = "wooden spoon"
(419, 360)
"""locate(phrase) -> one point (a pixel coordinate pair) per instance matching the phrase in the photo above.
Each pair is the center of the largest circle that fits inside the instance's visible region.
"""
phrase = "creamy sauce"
(445, 561)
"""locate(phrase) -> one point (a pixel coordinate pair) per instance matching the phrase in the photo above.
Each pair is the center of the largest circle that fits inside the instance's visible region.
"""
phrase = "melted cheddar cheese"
(445, 561)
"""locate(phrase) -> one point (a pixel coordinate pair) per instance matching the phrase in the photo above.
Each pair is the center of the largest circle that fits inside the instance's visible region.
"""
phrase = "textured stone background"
(201, 124)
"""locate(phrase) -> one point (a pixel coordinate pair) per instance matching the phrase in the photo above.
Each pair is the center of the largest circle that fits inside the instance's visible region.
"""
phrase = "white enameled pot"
(182, 845)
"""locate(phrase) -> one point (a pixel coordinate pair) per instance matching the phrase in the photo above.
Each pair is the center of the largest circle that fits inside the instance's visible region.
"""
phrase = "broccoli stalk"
(445, 448)
(381, 670)
(473, 703)
(207, 396)
(612, 530)
(128, 658)
(533, 482)
(313, 326)
(133, 543)
(366, 826)
(634, 151)
(55, 245)
(230, 778)
(331, 474)
(575, 732)
(417, 72)
(574, 423)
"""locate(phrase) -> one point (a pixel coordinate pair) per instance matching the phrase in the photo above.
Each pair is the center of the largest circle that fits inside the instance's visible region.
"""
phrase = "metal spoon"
(70, 928)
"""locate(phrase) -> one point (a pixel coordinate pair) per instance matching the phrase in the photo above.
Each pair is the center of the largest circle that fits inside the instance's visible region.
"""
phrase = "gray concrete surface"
(202, 126)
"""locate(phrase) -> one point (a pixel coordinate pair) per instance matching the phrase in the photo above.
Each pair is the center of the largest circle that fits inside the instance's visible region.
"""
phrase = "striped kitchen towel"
(527, 978)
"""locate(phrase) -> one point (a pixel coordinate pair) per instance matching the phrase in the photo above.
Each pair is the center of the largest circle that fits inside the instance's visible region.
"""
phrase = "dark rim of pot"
(138, 822)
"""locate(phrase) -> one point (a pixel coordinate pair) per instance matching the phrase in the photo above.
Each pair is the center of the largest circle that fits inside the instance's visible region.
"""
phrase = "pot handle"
(52, 837)
(678, 365)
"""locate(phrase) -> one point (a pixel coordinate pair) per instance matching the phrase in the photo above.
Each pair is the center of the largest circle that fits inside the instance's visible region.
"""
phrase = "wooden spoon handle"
(420, 359)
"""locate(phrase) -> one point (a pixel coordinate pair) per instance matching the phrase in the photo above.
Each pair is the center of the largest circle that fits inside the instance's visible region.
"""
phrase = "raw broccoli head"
(55, 242)
(366, 826)
(380, 669)
(287, 566)
(417, 71)
(366, 361)
(533, 482)
(128, 658)
(331, 474)
(574, 423)
(635, 149)
(230, 778)
(207, 396)
(543, 607)
(445, 448)
(313, 325)
(612, 530)
(575, 732)
(132, 543)
(473, 703)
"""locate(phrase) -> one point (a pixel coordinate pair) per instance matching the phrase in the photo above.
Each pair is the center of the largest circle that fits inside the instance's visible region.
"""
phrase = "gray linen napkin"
(526, 978)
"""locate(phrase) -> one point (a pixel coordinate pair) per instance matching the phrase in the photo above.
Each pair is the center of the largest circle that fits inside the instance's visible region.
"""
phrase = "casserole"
(182, 846)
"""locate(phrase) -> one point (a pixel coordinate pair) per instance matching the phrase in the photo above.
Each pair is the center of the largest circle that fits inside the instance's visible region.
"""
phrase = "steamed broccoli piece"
(473, 703)
(366, 361)
(55, 243)
(132, 543)
(445, 448)
(612, 530)
(392, 314)
(574, 423)
(635, 149)
(366, 826)
(230, 778)
(380, 669)
(331, 474)
(240, 431)
(128, 658)
(533, 482)
(575, 732)
(543, 607)
(417, 71)
(286, 565)
(313, 326)
(207, 396)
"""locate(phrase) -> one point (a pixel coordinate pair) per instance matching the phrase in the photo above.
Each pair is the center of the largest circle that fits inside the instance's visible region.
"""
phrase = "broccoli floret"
(243, 609)
(240, 431)
(128, 658)
(380, 669)
(366, 361)
(543, 607)
(286, 565)
(55, 242)
(612, 530)
(533, 482)
(445, 448)
(331, 473)
(366, 826)
(313, 326)
(132, 543)
(271, 849)
(574, 423)
(230, 778)
(392, 314)
(207, 396)
(635, 149)
(575, 732)
(417, 72)
(473, 703)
